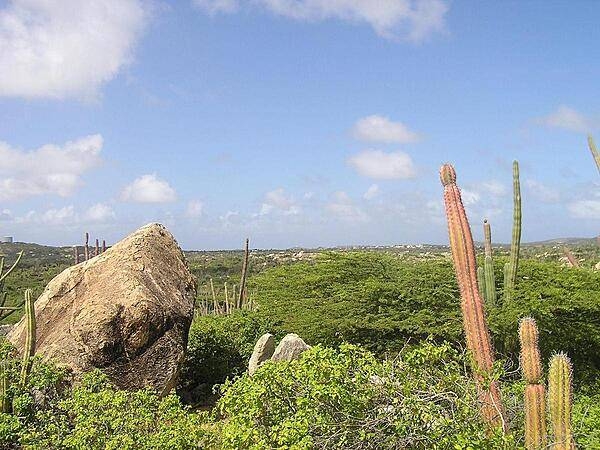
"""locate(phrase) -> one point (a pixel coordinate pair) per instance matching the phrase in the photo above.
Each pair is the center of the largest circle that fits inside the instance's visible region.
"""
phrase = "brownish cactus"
(535, 392)
(474, 321)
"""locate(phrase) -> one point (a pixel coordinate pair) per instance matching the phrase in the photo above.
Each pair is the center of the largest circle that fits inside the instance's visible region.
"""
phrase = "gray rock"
(5, 329)
(263, 350)
(126, 311)
(290, 347)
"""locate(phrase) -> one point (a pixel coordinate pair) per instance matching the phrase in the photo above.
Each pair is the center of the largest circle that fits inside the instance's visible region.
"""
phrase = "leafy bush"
(218, 347)
(348, 399)
(383, 302)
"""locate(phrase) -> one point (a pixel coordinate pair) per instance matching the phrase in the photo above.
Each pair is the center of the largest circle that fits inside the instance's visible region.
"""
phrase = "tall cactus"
(4, 401)
(488, 287)
(531, 367)
(560, 393)
(29, 349)
(474, 321)
(5, 310)
(511, 267)
(594, 151)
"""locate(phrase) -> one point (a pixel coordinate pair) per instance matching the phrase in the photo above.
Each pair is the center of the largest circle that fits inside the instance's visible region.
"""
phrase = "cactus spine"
(29, 349)
(510, 269)
(531, 367)
(489, 280)
(478, 338)
(594, 151)
(4, 402)
(559, 401)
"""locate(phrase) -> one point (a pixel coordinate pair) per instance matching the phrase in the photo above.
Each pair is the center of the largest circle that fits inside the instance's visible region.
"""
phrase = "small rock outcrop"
(263, 350)
(290, 347)
(126, 311)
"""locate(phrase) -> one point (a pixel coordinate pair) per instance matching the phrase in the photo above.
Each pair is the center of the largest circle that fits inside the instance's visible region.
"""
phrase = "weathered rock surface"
(126, 311)
(290, 347)
(263, 350)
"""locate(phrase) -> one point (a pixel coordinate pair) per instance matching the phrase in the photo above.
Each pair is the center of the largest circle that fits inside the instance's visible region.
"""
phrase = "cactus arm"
(510, 276)
(531, 367)
(29, 349)
(560, 393)
(474, 321)
(9, 271)
(594, 151)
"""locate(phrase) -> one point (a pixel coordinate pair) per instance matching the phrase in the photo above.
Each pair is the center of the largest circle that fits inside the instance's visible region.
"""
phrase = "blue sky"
(295, 122)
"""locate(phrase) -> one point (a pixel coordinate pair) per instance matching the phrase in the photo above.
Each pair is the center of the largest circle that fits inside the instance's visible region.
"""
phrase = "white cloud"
(569, 119)
(194, 209)
(342, 206)
(217, 6)
(469, 197)
(413, 20)
(542, 192)
(6, 214)
(585, 209)
(278, 200)
(381, 129)
(494, 188)
(148, 189)
(48, 170)
(66, 48)
(99, 212)
(385, 166)
(371, 192)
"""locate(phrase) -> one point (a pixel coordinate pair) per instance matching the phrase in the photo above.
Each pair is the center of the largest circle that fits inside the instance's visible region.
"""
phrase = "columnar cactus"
(594, 151)
(244, 272)
(510, 269)
(531, 367)
(489, 283)
(4, 401)
(29, 349)
(476, 330)
(86, 249)
(559, 401)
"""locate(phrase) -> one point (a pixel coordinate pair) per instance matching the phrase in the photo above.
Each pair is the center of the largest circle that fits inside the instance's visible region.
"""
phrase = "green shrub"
(383, 302)
(218, 347)
(346, 398)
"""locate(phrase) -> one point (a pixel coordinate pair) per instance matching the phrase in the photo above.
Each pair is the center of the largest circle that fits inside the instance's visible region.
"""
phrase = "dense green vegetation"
(403, 382)
(384, 303)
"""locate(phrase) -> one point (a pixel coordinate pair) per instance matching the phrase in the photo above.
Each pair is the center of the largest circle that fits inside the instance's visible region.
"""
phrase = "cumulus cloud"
(542, 192)
(100, 212)
(217, 6)
(384, 166)
(413, 20)
(51, 169)
(371, 192)
(194, 209)
(66, 48)
(585, 209)
(568, 118)
(381, 129)
(148, 189)
(469, 197)
(341, 206)
(278, 200)
(494, 188)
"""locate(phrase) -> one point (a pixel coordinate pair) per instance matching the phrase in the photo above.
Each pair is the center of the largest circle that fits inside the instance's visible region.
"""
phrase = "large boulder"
(289, 348)
(126, 311)
(263, 350)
